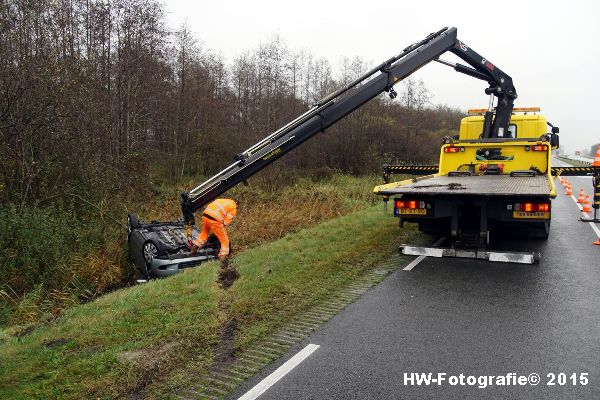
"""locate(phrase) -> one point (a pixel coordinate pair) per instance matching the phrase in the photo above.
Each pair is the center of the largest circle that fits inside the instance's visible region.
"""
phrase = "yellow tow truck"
(481, 185)
(497, 171)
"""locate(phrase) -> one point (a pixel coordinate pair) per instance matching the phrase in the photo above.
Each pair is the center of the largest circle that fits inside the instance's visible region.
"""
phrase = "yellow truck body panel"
(512, 155)
(524, 125)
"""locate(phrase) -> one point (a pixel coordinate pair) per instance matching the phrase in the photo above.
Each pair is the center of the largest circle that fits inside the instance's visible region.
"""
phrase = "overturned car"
(161, 249)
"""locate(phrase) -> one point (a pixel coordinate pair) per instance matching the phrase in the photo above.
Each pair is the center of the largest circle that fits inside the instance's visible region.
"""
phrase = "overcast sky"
(550, 48)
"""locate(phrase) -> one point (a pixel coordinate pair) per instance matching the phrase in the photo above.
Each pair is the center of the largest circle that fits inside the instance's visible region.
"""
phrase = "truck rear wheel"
(540, 230)
(439, 228)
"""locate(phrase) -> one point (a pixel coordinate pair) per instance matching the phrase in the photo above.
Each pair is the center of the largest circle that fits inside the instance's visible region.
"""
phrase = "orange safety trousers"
(218, 229)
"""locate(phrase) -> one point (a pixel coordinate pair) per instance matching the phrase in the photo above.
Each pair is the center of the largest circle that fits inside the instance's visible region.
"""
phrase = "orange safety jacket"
(222, 210)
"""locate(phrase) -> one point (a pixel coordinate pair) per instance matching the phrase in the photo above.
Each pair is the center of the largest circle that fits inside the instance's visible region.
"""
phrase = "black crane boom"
(337, 105)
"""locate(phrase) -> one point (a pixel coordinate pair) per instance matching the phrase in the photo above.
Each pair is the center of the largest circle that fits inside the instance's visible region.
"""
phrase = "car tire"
(151, 249)
(132, 221)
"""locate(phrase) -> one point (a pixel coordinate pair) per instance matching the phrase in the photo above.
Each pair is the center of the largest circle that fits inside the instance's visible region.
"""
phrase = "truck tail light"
(453, 149)
(529, 207)
(539, 147)
(411, 207)
(412, 204)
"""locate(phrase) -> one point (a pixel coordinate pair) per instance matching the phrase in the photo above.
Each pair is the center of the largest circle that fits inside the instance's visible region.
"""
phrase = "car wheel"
(132, 222)
(149, 250)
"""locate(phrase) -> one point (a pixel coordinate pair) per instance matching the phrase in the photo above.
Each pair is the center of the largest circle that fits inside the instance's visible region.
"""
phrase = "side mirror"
(554, 140)
(555, 129)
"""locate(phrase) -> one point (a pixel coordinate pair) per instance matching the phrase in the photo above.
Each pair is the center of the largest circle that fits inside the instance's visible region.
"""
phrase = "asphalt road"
(465, 317)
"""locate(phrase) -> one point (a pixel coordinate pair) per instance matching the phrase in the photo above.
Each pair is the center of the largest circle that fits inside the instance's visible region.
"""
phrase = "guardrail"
(580, 159)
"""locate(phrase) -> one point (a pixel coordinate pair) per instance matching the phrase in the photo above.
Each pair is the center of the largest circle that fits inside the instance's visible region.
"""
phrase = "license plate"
(413, 211)
(531, 215)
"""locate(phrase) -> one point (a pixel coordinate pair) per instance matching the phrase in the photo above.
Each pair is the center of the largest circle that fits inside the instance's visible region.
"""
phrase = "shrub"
(51, 259)
(34, 242)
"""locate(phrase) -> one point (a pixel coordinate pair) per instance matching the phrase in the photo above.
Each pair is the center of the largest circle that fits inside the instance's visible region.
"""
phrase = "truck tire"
(438, 228)
(540, 230)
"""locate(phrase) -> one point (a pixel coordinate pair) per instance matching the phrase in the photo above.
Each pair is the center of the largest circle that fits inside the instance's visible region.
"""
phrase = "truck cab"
(525, 146)
(525, 122)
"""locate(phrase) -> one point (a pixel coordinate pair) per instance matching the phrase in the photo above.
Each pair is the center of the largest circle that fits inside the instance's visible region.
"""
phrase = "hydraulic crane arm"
(337, 105)
(501, 87)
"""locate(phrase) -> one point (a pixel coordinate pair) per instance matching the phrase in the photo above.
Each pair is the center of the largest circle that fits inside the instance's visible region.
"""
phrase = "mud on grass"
(227, 277)
(224, 353)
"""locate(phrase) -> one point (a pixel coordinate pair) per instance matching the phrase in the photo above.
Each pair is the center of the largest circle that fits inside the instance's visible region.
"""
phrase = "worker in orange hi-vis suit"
(216, 216)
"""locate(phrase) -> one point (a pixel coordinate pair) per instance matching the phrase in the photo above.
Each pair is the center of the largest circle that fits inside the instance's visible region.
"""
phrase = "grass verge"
(144, 341)
(54, 259)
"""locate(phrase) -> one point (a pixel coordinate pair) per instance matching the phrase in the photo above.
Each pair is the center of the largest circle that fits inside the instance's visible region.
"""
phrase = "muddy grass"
(55, 343)
(225, 348)
(227, 277)
(148, 362)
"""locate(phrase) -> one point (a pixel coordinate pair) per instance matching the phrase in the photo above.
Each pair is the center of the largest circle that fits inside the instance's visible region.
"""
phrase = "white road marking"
(592, 224)
(279, 373)
(417, 260)
(594, 227)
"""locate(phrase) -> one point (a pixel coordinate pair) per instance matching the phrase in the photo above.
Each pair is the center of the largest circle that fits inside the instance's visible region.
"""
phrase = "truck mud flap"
(495, 256)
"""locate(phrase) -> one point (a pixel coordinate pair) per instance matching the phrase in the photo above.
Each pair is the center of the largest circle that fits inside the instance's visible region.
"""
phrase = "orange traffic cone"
(581, 196)
(597, 242)
(569, 191)
(596, 162)
(586, 205)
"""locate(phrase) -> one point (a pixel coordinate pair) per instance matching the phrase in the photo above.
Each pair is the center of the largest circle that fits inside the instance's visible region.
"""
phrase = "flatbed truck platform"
(477, 185)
